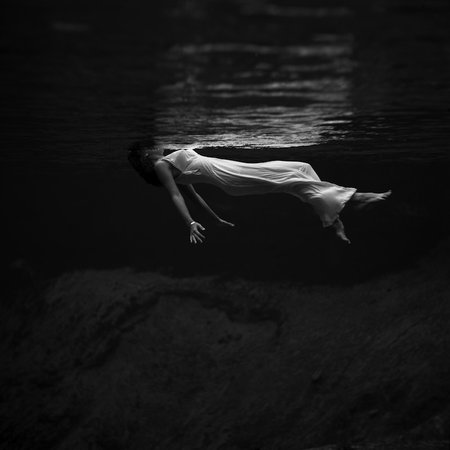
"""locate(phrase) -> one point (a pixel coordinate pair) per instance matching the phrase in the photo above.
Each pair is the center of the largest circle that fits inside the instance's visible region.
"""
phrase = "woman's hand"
(224, 223)
(195, 233)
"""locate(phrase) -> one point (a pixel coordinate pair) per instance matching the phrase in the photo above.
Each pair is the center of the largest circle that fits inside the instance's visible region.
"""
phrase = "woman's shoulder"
(181, 153)
(189, 150)
(181, 159)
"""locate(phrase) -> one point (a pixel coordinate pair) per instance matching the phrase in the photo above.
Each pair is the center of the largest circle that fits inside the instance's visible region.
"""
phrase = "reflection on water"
(251, 96)
(84, 82)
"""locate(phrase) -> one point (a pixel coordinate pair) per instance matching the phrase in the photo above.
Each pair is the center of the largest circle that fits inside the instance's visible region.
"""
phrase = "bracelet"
(192, 223)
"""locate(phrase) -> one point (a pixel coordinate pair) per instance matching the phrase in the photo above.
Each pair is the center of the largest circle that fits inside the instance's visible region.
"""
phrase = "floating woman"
(179, 170)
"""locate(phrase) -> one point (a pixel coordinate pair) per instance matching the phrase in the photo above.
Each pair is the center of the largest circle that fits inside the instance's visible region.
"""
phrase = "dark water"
(360, 91)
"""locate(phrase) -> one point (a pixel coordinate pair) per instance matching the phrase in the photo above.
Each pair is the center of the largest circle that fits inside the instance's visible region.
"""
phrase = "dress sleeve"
(178, 159)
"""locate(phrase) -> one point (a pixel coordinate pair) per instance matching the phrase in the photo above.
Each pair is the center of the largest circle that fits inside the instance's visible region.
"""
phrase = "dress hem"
(328, 222)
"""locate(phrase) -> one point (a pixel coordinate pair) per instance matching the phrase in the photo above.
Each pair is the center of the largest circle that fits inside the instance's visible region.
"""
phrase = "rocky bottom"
(116, 359)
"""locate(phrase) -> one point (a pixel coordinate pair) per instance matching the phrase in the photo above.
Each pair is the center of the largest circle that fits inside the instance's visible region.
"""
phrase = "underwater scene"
(118, 333)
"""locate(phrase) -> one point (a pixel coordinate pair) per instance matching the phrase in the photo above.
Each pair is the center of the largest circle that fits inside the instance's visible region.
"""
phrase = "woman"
(179, 170)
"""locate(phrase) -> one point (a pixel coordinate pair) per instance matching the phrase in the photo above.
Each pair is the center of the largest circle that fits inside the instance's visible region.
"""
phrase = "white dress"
(239, 178)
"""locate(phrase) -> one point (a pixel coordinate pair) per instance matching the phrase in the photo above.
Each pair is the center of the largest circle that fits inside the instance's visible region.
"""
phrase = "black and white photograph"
(226, 225)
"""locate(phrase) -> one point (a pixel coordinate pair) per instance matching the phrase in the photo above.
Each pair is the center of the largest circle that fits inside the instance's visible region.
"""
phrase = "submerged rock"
(123, 360)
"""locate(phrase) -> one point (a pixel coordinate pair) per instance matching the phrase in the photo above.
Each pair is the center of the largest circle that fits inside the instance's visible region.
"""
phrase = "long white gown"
(239, 178)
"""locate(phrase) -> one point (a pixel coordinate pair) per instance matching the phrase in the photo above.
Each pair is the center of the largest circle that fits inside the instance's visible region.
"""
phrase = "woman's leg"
(338, 227)
(361, 200)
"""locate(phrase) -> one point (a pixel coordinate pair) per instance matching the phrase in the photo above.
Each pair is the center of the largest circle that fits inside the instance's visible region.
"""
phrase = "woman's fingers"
(199, 235)
(196, 230)
(196, 239)
(196, 235)
(225, 223)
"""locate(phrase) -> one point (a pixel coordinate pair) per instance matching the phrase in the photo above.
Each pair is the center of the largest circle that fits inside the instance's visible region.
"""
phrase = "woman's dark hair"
(142, 164)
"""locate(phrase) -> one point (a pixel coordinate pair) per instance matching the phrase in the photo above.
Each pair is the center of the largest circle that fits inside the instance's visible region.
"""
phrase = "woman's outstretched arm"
(195, 196)
(166, 178)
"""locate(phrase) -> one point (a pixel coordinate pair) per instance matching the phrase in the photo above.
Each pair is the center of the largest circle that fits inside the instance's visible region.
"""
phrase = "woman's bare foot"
(338, 227)
(362, 200)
